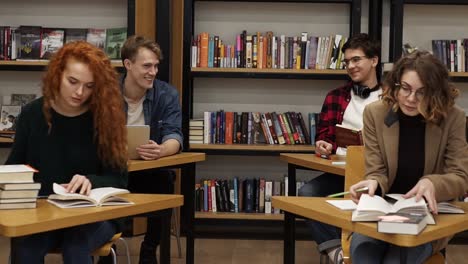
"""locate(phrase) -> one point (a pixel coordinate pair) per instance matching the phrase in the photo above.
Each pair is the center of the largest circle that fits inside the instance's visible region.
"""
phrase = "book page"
(374, 203)
(100, 194)
(347, 205)
(61, 191)
(409, 204)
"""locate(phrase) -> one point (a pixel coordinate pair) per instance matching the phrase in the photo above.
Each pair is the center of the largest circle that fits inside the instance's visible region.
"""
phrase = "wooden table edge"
(127, 210)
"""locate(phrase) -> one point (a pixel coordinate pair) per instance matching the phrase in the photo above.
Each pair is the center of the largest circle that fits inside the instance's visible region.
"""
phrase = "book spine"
(277, 126)
(204, 50)
(248, 52)
(236, 195)
(268, 194)
(283, 129)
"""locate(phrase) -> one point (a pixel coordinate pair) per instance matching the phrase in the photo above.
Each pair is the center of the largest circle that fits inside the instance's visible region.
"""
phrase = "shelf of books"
(241, 216)
(235, 110)
(37, 64)
(253, 147)
(326, 74)
(30, 47)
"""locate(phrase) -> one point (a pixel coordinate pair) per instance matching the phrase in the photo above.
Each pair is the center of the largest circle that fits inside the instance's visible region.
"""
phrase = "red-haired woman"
(74, 135)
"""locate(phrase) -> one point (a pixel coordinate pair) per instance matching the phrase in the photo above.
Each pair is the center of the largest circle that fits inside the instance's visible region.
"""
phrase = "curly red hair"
(105, 102)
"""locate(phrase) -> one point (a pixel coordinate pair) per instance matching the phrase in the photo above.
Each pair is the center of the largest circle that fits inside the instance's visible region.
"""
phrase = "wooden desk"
(308, 161)
(47, 217)
(187, 162)
(316, 208)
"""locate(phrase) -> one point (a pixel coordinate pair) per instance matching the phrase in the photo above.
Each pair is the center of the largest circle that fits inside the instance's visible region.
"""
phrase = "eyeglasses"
(354, 60)
(406, 91)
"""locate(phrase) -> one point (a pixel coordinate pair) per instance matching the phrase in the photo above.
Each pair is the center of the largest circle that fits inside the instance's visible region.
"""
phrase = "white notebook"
(136, 136)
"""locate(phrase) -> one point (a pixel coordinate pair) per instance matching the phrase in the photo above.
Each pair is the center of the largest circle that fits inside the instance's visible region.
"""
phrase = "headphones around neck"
(363, 91)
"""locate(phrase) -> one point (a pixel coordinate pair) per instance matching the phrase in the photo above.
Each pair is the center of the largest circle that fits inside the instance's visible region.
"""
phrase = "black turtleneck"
(410, 153)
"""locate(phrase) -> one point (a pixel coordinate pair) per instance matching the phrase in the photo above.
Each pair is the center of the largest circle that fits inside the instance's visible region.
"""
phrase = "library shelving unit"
(248, 221)
(397, 17)
(129, 13)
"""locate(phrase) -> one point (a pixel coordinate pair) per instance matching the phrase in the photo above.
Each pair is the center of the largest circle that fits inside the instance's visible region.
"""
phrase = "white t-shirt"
(352, 116)
(135, 115)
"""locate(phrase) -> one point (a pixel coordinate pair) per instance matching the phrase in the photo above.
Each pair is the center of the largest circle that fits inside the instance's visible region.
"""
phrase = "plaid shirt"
(332, 113)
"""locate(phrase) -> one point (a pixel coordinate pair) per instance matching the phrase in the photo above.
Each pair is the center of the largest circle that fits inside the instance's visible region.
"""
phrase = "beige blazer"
(446, 155)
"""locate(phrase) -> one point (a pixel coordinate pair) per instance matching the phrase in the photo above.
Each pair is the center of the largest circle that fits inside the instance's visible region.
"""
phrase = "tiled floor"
(216, 251)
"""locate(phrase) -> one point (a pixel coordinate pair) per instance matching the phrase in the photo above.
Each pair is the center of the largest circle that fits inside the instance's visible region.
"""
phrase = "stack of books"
(196, 131)
(17, 187)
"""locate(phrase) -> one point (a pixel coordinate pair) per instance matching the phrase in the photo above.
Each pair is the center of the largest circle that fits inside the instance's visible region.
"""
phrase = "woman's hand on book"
(370, 184)
(78, 182)
(424, 188)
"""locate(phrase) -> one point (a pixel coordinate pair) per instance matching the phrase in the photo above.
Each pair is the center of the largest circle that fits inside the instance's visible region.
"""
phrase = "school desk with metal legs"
(187, 162)
(318, 209)
(48, 217)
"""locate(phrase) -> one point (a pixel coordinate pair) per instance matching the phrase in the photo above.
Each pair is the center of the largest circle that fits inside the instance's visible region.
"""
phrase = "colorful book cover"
(75, 34)
(30, 47)
(52, 41)
(115, 38)
(97, 37)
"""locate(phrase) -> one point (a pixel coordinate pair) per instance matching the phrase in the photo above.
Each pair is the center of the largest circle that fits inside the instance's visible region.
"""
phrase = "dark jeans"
(321, 186)
(367, 250)
(152, 181)
(76, 243)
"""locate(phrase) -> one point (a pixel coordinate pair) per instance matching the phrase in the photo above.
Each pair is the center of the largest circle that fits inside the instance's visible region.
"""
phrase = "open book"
(346, 136)
(370, 208)
(97, 197)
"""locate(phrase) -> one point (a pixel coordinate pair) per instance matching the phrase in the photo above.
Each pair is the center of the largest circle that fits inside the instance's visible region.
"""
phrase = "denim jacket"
(162, 112)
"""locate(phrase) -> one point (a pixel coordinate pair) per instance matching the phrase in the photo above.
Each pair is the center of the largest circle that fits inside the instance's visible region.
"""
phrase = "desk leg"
(403, 255)
(291, 179)
(188, 212)
(165, 248)
(12, 251)
(289, 238)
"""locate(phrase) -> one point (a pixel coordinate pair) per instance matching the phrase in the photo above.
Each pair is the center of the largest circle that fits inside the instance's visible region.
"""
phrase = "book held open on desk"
(98, 197)
(370, 208)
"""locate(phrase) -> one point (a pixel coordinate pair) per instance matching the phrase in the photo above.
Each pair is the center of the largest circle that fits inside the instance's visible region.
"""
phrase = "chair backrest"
(355, 165)
(354, 172)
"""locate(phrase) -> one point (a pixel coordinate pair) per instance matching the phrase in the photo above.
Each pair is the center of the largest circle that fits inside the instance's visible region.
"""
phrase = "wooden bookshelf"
(276, 71)
(240, 216)
(27, 63)
(207, 89)
(459, 74)
(269, 73)
(254, 147)
(6, 140)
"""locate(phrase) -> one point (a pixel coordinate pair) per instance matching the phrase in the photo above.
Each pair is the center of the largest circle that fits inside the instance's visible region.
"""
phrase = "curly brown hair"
(439, 92)
(105, 102)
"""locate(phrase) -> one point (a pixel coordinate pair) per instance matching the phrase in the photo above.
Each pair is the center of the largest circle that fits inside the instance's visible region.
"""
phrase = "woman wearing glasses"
(415, 145)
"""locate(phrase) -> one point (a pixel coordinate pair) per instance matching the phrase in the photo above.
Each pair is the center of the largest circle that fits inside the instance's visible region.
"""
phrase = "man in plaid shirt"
(343, 105)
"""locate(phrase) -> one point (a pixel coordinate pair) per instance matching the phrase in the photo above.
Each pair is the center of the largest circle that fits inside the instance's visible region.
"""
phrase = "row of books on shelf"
(453, 53)
(267, 51)
(17, 187)
(253, 128)
(250, 195)
(36, 42)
